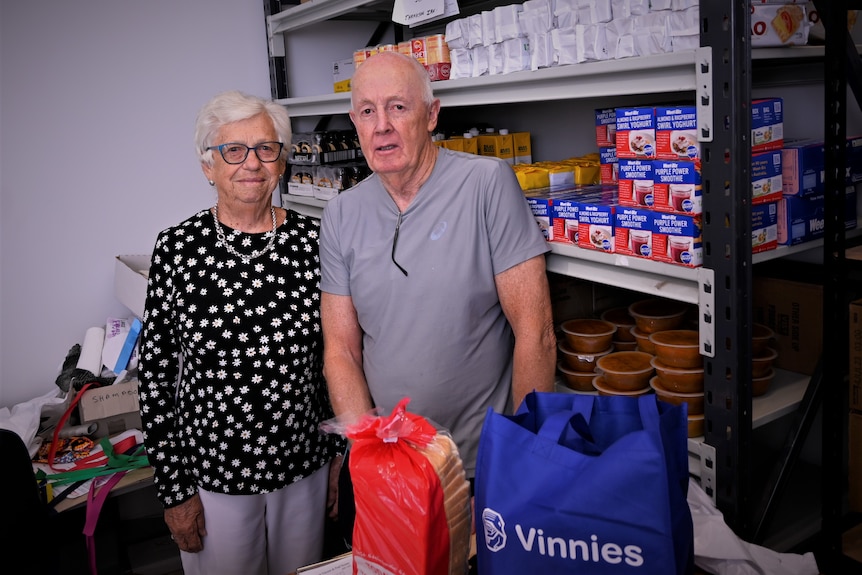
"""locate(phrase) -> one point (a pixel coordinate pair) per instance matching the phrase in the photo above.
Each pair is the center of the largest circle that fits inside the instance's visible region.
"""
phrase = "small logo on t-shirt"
(438, 230)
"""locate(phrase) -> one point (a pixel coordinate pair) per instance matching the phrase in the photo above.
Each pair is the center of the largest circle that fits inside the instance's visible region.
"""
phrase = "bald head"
(395, 112)
(395, 64)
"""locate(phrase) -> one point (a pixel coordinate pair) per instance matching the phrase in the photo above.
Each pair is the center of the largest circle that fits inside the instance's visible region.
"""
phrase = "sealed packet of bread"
(412, 497)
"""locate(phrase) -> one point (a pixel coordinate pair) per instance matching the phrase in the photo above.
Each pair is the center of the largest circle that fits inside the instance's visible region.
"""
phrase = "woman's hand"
(332, 493)
(186, 522)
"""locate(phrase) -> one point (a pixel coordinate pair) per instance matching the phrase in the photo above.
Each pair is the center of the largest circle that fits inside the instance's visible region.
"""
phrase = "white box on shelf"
(130, 281)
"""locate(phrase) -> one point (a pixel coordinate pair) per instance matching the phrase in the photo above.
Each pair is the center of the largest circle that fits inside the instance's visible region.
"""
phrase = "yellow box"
(436, 49)
(455, 144)
(497, 145)
(532, 177)
(342, 71)
(523, 148)
(471, 145)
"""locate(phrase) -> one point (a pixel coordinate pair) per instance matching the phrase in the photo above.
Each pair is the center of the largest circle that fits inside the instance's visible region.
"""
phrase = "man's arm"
(342, 358)
(526, 300)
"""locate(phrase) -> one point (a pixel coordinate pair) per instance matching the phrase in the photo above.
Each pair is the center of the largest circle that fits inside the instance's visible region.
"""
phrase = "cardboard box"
(803, 218)
(804, 165)
(793, 309)
(606, 127)
(676, 133)
(766, 177)
(596, 220)
(633, 232)
(636, 183)
(677, 239)
(131, 273)
(523, 148)
(855, 372)
(767, 125)
(855, 461)
(500, 145)
(764, 227)
(677, 187)
(109, 401)
(635, 133)
(802, 168)
(608, 165)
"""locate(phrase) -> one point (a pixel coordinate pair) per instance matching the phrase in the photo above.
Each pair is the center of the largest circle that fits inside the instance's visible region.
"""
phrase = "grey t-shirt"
(438, 335)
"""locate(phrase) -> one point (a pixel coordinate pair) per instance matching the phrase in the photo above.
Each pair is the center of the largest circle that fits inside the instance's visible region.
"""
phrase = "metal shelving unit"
(719, 77)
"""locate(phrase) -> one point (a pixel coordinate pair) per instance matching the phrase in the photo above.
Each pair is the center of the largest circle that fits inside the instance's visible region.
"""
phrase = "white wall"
(97, 106)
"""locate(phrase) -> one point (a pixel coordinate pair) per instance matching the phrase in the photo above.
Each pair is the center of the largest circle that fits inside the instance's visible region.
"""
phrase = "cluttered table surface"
(131, 481)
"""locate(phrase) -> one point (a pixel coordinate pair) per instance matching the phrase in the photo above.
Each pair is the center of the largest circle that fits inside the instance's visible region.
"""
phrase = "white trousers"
(268, 534)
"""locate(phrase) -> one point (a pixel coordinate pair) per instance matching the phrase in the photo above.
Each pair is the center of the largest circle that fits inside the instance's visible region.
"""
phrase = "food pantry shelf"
(661, 73)
(784, 396)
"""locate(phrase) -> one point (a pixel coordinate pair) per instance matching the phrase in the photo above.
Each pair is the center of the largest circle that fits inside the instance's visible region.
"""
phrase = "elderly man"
(432, 270)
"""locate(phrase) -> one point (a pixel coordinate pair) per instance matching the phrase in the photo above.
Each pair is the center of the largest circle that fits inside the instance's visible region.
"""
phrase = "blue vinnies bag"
(584, 484)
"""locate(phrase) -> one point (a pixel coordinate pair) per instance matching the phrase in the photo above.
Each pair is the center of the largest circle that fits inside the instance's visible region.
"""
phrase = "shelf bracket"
(707, 470)
(703, 74)
(706, 311)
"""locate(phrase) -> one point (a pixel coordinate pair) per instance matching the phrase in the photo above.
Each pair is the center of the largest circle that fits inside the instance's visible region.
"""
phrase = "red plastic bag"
(412, 497)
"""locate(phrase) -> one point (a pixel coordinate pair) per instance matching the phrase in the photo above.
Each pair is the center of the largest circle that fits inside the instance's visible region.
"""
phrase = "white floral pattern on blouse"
(244, 417)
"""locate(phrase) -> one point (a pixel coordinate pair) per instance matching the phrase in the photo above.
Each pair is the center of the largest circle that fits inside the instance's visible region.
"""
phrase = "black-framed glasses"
(395, 243)
(236, 153)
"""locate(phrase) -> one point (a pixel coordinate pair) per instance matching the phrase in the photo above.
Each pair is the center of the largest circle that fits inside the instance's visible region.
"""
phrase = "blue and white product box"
(677, 239)
(564, 220)
(766, 179)
(635, 137)
(635, 182)
(677, 187)
(633, 232)
(596, 224)
(803, 218)
(802, 167)
(764, 227)
(676, 133)
(541, 208)
(767, 125)
(541, 204)
(608, 165)
(606, 127)
(565, 207)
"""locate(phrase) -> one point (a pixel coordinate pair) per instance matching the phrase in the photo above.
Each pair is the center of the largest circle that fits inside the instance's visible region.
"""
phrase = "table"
(131, 481)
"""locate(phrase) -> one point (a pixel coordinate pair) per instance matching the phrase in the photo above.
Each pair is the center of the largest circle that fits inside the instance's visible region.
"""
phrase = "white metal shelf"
(313, 12)
(662, 73)
(637, 274)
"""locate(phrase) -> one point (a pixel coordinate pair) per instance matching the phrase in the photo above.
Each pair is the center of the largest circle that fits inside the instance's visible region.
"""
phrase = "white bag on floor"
(718, 550)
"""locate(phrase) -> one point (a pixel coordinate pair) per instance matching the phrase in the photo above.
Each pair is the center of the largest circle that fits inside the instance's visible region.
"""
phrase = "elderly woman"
(231, 385)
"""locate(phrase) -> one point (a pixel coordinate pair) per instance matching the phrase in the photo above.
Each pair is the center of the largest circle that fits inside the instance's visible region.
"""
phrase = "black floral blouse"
(244, 341)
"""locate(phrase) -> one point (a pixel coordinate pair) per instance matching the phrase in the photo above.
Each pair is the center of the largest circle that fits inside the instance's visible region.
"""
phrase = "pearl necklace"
(246, 258)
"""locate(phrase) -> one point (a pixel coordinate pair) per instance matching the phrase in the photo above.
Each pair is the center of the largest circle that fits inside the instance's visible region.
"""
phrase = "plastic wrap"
(412, 497)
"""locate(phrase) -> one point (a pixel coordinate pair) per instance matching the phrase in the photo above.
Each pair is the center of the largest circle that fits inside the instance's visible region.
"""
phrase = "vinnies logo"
(534, 540)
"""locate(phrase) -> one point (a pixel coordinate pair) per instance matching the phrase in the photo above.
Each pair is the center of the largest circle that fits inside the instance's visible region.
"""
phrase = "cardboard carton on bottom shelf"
(792, 308)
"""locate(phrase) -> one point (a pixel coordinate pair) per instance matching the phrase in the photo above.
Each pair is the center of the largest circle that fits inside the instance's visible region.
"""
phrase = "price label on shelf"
(413, 12)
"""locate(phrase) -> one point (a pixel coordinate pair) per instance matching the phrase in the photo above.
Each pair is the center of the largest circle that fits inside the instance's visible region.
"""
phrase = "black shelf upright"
(725, 27)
